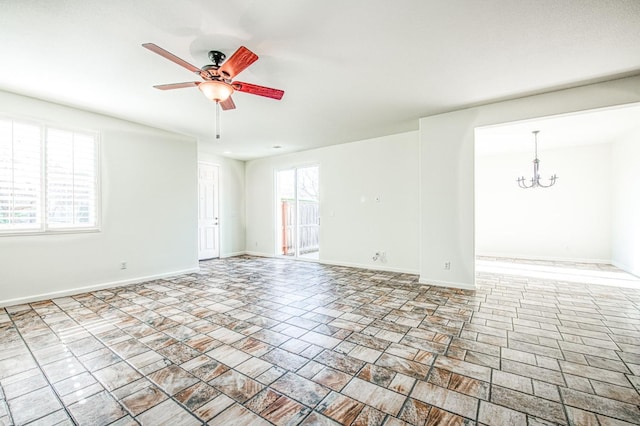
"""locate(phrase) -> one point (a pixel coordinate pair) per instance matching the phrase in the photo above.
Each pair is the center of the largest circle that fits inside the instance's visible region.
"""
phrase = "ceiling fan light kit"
(216, 90)
(218, 84)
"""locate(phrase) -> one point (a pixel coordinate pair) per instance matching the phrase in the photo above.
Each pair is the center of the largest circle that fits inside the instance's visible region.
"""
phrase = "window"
(48, 178)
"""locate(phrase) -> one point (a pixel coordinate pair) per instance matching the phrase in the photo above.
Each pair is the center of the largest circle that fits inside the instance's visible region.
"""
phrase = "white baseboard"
(93, 287)
(547, 258)
(336, 263)
(626, 268)
(234, 254)
(258, 254)
(366, 266)
(462, 286)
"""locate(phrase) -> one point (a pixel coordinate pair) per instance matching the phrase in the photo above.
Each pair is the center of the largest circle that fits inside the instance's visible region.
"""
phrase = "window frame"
(43, 228)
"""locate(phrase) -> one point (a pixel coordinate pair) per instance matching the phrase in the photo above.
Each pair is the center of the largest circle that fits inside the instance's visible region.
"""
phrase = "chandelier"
(535, 180)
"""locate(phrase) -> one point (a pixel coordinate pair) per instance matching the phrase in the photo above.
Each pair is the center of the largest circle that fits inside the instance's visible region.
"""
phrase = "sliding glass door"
(298, 212)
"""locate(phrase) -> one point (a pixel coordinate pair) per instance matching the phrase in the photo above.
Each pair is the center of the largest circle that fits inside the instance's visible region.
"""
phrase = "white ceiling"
(351, 70)
(605, 125)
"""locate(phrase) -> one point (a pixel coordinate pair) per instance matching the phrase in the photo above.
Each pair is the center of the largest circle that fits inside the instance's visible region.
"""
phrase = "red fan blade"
(240, 60)
(228, 104)
(177, 85)
(254, 89)
(170, 56)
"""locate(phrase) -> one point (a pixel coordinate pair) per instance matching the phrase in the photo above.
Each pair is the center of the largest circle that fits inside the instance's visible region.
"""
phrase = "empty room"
(379, 213)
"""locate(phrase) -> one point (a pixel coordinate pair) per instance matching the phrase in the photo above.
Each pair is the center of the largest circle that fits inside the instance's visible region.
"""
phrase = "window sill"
(49, 232)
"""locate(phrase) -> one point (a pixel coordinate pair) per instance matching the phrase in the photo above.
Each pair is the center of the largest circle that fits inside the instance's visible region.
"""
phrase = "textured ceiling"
(351, 70)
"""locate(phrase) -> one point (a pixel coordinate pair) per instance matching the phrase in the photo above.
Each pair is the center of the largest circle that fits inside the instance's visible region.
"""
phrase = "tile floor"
(250, 341)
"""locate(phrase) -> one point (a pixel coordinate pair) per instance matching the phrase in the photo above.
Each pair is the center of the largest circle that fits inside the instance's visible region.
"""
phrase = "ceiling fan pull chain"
(217, 119)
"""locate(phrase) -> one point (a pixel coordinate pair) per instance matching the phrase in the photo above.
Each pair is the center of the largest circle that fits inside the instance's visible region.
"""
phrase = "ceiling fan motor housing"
(217, 58)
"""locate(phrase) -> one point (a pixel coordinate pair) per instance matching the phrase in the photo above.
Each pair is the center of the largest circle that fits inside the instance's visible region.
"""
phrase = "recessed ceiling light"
(227, 152)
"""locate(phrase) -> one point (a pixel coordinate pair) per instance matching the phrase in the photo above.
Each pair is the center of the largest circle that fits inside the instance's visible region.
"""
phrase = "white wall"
(447, 170)
(570, 221)
(353, 225)
(626, 202)
(149, 212)
(231, 200)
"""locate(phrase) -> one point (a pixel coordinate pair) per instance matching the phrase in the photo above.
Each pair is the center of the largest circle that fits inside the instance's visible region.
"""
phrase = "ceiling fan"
(218, 84)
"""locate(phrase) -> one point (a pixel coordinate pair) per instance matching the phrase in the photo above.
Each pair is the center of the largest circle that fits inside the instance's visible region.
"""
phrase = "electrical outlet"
(123, 265)
(447, 266)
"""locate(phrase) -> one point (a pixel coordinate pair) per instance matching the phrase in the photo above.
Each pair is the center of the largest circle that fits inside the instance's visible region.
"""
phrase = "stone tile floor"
(250, 341)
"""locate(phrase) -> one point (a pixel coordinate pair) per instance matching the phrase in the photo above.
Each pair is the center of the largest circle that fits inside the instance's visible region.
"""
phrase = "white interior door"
(208, 228)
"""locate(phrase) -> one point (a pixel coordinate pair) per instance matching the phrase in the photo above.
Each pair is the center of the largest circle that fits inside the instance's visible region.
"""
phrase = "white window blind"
(48, 178)
(71, 177)
(20, 176)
